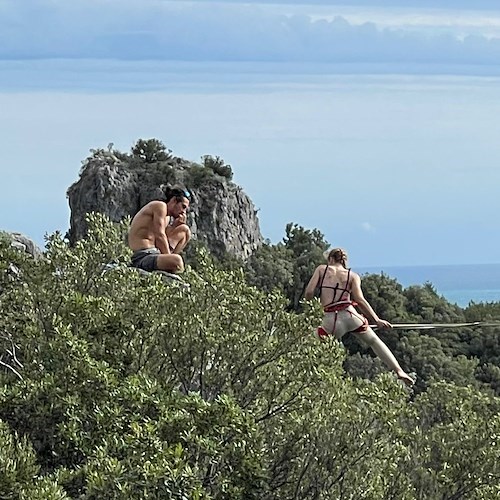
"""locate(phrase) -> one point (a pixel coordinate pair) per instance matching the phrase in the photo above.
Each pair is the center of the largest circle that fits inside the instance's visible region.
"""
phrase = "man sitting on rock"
(159, 233)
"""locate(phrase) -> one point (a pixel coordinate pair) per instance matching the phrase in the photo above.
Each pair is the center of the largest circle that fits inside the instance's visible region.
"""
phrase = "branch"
(11, 368)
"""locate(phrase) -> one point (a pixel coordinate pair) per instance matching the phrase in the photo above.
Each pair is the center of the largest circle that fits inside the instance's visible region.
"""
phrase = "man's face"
(180, 208)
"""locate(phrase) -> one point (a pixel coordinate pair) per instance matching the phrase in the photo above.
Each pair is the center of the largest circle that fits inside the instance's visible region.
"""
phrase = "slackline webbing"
(430, 326)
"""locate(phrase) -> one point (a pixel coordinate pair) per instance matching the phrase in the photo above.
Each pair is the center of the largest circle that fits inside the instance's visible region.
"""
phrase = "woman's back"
(334, 284)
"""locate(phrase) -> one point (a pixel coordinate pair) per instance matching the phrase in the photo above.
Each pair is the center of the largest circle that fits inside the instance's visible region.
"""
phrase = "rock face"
(221, 215)
(24, 244)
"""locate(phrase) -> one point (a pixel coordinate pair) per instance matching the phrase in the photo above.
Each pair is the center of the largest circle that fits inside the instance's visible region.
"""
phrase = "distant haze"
(375, 122)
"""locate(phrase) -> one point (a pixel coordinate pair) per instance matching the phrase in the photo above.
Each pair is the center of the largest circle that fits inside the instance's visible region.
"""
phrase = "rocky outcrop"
(221, 214)
(225, 219)
(24, 244)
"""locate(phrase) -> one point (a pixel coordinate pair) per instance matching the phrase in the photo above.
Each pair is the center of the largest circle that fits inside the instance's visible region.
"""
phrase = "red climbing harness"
(342, 306)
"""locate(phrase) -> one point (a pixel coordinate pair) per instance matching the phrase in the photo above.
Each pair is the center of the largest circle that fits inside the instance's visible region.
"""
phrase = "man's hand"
(180, 220)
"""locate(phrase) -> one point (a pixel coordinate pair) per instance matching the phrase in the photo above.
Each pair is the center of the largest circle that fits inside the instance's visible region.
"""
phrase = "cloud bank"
(219, 31)
(448, 4)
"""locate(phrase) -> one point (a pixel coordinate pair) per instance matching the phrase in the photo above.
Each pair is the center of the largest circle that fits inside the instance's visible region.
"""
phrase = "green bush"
(197, 176)
(218, 166)
(20, 473)
(130, 386)
(151, 150)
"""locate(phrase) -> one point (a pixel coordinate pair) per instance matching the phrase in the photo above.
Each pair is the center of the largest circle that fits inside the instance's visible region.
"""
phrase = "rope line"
(430, 326)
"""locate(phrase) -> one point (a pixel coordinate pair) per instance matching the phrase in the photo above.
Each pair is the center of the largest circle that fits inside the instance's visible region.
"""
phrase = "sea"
(459, 284)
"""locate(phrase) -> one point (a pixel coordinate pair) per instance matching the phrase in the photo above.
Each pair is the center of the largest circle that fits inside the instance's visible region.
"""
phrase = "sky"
(376, 122)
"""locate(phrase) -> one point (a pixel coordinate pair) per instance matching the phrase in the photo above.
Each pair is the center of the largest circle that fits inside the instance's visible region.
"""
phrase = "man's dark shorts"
(146, 259)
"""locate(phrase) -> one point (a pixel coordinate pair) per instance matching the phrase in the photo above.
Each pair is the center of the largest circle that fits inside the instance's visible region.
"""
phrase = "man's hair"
(177, 192)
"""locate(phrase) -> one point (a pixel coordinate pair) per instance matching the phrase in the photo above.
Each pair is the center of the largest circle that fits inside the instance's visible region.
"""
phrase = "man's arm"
(313, 283)
(366, 308)
(159, 226)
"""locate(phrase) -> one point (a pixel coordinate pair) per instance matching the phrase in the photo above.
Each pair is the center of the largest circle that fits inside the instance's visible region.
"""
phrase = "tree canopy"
(116, 385)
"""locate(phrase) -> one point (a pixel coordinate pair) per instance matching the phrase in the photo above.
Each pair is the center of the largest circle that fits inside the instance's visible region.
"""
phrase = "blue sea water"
(459, 284)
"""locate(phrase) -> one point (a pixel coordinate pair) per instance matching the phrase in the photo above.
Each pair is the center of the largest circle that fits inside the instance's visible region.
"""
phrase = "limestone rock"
(221, 215)
(24, 244)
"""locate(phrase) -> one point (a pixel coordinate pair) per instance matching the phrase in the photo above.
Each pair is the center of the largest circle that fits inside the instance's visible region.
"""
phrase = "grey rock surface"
(221, 214)
(24, 244)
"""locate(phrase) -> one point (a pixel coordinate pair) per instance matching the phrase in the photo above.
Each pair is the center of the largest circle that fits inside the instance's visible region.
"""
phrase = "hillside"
(122, 386)
(119, 385)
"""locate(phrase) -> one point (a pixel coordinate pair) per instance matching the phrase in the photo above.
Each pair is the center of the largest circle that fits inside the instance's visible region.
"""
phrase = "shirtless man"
(158, 233)
(340, 291)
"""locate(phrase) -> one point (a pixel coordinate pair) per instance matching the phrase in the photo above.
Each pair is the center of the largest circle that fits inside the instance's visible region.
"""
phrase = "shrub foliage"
(120, 386)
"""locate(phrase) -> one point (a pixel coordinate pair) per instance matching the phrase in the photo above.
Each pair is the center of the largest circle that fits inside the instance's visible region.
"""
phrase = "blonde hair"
(338, 255)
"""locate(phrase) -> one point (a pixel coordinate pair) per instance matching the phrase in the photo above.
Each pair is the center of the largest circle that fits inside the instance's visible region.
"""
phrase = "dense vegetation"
(151, 162)
(120, 386)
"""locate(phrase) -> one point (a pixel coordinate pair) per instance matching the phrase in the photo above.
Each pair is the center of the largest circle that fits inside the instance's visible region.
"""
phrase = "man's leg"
(171, 263)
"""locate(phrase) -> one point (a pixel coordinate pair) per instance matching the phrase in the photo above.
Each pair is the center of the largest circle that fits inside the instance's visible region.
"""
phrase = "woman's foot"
(402, 375)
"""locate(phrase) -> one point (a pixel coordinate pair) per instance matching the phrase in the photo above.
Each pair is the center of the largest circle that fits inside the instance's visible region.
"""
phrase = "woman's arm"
(366, 308)
(313, 283)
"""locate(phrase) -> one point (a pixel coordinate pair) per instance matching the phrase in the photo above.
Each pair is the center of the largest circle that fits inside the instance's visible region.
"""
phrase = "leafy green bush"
(270, 267)
(135, 387)
(151, 150)
(218, 166)
(19, 471)
(197, 176)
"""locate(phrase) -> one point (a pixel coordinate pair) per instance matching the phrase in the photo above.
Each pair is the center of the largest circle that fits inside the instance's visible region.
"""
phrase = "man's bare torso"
(141, 233)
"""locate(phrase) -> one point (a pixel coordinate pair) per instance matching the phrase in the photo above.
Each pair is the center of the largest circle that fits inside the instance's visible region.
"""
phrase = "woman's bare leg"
(384, 353)
(178, 238)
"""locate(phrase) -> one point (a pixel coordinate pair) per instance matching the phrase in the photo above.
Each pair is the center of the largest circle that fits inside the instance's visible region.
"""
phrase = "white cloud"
(368, 227)
(451, 4)
(218, 31)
